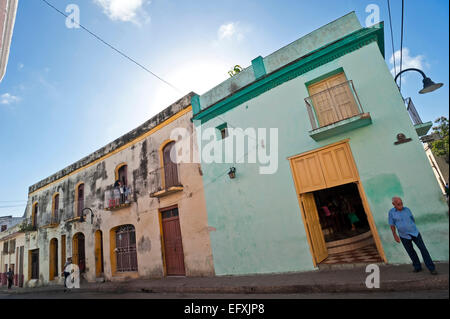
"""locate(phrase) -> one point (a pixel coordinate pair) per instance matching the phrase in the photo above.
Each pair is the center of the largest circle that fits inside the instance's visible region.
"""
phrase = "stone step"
(349, 244)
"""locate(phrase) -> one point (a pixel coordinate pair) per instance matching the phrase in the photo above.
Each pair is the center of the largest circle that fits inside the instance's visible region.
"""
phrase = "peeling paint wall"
(144, 176)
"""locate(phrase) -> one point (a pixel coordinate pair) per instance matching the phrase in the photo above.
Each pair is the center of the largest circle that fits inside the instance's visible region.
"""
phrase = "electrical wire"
(12, 206)
(113, 48)
(401, 43)
(392, 37)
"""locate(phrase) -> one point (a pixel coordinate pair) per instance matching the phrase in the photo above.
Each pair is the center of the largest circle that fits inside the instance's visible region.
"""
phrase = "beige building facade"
(12, 255)
(152, 224)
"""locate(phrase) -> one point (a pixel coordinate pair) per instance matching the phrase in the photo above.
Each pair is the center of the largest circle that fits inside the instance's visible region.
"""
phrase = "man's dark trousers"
(407, 243)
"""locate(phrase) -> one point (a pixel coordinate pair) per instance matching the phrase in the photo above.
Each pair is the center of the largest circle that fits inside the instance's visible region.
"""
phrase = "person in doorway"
(401, 218)
(10, 277)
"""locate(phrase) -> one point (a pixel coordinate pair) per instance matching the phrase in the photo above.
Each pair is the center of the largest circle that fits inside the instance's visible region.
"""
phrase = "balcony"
(168, 176)
(27, 226)
(421, 128)
(335, 111)
(53, 222)
(118, 198)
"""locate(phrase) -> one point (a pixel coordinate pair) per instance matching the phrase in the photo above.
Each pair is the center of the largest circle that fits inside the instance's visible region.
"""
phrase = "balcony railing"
(165, 181)
(333, 105)
(118, 197)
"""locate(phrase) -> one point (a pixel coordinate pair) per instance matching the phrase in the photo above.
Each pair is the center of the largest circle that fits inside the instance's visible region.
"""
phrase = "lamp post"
(428, 84)
(82, 215)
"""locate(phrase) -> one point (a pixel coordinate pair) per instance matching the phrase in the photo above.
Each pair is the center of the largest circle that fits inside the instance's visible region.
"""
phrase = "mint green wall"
(257, 217)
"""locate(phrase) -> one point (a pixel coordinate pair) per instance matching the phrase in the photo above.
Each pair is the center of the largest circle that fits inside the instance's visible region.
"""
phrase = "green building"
(328, 143)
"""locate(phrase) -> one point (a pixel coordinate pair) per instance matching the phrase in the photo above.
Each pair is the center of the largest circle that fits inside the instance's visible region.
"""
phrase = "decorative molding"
(293, 70)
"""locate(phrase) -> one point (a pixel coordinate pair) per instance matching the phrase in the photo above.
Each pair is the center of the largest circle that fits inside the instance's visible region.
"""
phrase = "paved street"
(427, 294)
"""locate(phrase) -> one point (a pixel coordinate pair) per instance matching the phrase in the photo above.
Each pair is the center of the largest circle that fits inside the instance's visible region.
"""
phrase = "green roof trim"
(314, 59)
(422, 129)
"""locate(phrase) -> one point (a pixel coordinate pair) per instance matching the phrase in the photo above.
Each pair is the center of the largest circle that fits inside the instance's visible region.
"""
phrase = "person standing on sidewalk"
(401, 218)
(10, 277)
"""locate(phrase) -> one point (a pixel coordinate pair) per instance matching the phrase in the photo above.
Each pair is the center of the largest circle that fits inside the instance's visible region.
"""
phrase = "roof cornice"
(306, 63)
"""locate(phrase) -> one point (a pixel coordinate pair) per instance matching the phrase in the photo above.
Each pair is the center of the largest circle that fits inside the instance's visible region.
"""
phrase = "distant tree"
(440, 146)
(236, 70)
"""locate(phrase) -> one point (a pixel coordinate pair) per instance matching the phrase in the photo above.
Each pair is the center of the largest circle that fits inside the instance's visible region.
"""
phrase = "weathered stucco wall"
(257, 217)
(144, 176)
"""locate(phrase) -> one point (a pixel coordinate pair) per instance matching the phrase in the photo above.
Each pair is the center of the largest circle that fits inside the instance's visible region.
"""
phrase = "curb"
(389, 286)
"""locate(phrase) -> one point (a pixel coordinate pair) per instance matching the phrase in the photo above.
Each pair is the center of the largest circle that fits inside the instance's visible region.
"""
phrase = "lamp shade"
(429, 86)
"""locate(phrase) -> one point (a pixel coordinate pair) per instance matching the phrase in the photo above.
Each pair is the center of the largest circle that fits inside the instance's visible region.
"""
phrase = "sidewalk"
(392, 278)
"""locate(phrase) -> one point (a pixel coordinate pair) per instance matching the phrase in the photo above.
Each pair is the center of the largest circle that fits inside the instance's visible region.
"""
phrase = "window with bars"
(126, 257)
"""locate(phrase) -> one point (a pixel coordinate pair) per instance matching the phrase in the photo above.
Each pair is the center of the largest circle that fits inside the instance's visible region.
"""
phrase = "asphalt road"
(428, 294)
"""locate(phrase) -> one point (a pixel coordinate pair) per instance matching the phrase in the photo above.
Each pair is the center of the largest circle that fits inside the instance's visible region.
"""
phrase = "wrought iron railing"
(118, 197)
(333, 105)
(164, 178)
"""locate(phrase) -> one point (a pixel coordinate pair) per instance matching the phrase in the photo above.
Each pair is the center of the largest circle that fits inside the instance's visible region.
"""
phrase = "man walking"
(400, 217)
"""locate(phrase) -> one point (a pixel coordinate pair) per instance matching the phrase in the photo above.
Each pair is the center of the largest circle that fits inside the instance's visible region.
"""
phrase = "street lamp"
(428, 84)
(82, 215)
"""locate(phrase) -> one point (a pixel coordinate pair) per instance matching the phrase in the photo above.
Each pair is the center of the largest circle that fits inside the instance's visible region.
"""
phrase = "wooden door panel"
(337, 165)
(173, 246)
(308, 173)
(313, 227)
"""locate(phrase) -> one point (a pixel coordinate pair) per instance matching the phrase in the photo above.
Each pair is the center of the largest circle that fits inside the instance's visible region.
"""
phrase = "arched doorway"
(78, 251)
(53, 269)
(99, 253)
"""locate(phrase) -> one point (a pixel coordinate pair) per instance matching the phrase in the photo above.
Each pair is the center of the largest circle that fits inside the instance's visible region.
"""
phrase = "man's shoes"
(417, 270)
(433, 272)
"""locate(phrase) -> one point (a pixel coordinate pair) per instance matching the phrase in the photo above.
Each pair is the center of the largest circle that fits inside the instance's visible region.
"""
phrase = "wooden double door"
(321, 169)
(172, 242)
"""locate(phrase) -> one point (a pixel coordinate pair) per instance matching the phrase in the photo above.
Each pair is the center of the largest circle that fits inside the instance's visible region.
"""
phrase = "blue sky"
(65, 94)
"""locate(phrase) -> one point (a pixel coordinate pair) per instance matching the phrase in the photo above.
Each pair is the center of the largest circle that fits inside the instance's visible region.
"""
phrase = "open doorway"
(341, 212)
(344, 225)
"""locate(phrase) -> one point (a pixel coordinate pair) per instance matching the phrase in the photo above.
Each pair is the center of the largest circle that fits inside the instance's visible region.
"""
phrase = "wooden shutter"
(170, 168)
(323, 103)
(307, 173)
(334, 102)
(80, 205)
(337, 165)
(313, 227)
(55, 208)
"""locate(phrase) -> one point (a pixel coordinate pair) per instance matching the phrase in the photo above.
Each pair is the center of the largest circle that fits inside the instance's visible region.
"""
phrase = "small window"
(223, 131)
(4, 227)
(12, 246)
(80, 199)
(55, 208)
(34, 215)
(5, 248)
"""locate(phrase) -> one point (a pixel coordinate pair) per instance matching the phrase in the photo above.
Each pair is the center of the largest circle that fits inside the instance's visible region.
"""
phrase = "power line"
(113, 48)
(401, 44)
(11, 206)
(392, 37)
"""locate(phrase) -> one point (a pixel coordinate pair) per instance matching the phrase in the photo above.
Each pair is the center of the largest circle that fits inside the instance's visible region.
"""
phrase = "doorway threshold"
(351, 259)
